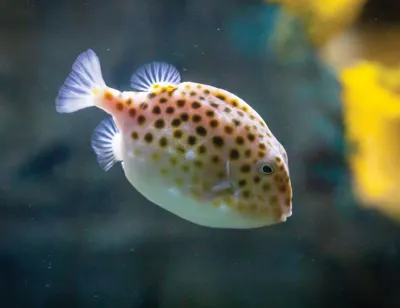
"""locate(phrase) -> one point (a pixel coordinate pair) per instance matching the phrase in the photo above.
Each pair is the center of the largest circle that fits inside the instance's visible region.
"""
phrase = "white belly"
(147, 180)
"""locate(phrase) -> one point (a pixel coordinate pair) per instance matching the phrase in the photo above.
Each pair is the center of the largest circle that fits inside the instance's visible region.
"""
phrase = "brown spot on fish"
(240, 113)
(163, 142)
(184, 117)
(192, 93)
(201, 131)
(242, 183)
(169, 110)
(239, 140)
(206, 91)
(175, 122)
(246, 194)
(228, 129)
(227, 110)
(234, 154)
(132, 112)
(202, 149)
(135, 135)
(215, 159)
(218, 141)
(247, 153)
(196, 105)
(157, 110)
(251, 137)
(180, 103)
(119, 106)
(266, 187)
(148, 137)
(160, 123)
(141, 119)
(210, 113)
(196, 118)
(234, 102)
(191, 140)
(129, 101)
(256, 179)
(245, 168)
(214, 105)
(180, 149)
(163, 100)
(151, 95)
(236, 122)
(214, 123)
(178, 134)
(144, 106)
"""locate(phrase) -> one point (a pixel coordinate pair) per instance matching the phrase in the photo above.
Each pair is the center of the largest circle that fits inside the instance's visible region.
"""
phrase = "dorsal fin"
(156, 72)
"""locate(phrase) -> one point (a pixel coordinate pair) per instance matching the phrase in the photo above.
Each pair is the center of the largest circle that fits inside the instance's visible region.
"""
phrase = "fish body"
(199, 152)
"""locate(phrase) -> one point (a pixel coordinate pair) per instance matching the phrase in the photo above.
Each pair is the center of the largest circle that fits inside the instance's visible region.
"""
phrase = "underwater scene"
(191, 153)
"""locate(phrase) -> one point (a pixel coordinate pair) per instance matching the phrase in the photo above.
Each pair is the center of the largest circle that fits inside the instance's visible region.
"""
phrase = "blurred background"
(325, 75)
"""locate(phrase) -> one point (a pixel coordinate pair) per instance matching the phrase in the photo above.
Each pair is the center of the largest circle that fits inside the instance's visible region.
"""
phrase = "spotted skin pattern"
(207, 144)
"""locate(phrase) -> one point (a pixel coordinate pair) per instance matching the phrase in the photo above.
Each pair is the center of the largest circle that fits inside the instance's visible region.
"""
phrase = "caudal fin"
(77, 91)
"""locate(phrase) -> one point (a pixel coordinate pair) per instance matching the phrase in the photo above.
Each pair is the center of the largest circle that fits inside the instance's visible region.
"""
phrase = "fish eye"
(266, 169)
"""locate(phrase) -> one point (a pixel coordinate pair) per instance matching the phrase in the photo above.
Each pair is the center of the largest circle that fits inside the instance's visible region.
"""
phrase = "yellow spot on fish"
(108, 96)
(173, 161)
(155, 156)
(164, 171)
(178, 182)
(273, 200)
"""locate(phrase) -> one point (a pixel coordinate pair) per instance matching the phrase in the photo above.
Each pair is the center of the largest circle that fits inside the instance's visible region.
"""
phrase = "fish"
(198, 151)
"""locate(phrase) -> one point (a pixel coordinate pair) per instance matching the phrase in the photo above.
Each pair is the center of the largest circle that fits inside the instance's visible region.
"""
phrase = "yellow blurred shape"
(324, 19)
(371, 98)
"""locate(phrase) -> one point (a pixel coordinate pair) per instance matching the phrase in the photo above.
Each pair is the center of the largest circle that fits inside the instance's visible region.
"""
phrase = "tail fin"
(77, 91)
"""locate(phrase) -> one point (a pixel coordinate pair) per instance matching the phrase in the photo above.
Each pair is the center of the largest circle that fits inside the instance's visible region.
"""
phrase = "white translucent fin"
(156, 72)
(106, 143)
(77, 91)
